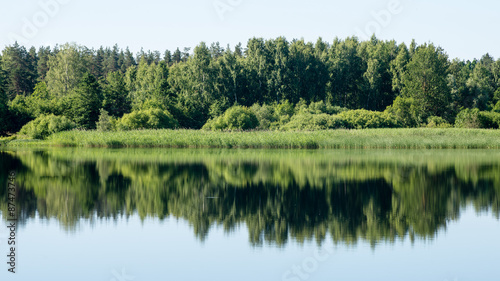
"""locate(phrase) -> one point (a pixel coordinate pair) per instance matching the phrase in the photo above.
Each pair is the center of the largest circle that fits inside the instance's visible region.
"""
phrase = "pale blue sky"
(465, 29)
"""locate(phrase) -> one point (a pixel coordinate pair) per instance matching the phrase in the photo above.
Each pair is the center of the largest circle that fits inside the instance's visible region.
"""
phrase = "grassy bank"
(375, 138)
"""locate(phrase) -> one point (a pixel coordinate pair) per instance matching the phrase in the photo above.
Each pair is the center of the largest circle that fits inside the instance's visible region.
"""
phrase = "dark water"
(152, 214)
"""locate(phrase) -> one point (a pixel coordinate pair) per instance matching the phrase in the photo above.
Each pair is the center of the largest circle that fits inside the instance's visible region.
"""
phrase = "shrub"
(405, 111)
(45, 125)
(152, 118)
(437, 122)
(105, 122)
(307, 121)
(284, 109)
(311, 122)
(489, 120)
(496, 108)
(365, 119)
(337, 122)
(468, 118)
(322, 107)
(235, 118)
(21, 111)
(473, 118)
(266, 114)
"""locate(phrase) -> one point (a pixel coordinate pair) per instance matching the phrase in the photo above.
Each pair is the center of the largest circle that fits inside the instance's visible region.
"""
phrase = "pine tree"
(116, 100)
(177, 56)
(4, 108)
(87, 102)
(44, 54)
(19, 71)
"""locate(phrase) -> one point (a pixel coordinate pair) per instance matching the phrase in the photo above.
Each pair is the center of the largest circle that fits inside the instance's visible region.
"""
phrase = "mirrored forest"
(278, 195)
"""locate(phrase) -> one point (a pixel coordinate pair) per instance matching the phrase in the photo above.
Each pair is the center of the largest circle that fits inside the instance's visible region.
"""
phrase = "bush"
(437, 122)
(318, 108)
(45, 125)
(405, 111)
(105, 122)
(473, 118)
(496, 108)
(366, 119)
(489, 120)
(21, 111)
(235, 118)
(267, 116)
(147, 119)
(321, 107)
(312, 122)
(468, 118)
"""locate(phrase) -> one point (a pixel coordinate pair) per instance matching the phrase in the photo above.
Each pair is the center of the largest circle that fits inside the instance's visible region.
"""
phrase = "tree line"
(412, 82)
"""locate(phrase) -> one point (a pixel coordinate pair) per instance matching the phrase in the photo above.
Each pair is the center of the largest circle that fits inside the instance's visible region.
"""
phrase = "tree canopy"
(201, 85)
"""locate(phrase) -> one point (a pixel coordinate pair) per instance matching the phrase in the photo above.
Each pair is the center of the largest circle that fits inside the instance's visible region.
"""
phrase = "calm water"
(160, 214)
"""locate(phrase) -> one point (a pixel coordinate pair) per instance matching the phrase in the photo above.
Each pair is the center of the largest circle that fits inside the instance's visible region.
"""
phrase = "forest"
(271, 84)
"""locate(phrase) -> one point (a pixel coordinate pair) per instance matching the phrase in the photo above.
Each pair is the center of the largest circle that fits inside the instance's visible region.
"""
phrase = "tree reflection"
(280, 195)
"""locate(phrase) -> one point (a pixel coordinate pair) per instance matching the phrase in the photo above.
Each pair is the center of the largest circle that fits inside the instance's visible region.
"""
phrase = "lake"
(199, 214)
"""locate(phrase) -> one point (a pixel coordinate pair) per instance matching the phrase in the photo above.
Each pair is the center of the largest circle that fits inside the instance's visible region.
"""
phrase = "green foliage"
(67, 69)
(365, 119)
(19, 70)
(468, 118)
(481, 83)
(24, 109)
(415, 138)
(318, 108)
(312, 122)
(235, 118)
(152, 118)
(425, 80)
(105, 122)
(42, 101)
(21, 112)
(286, 77)
(87, 102)
(405, 111)
(116, 96)
(489, 120)
(496, 108)
(4, 112)
(266, 115)
(437, 122)
(45, 125)
(473, 118)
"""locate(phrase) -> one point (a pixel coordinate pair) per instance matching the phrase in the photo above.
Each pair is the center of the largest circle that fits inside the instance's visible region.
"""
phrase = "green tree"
(425, 80)
(42, 67)
(346, 69)
(87, 102)
(4, 108)
(398, 67)
(115, 95)
(67, 68)
(105, 122)
(19, 72)
(177, 56)
(149, 82)
(482, 84)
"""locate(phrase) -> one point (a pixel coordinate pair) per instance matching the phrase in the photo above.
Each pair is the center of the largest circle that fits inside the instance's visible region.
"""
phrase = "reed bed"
(338, 139)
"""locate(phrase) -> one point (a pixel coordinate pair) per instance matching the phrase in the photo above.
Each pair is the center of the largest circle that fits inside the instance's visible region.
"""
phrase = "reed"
(338, 139)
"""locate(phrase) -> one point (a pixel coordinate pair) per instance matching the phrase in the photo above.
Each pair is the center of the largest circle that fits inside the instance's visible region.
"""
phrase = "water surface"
(172, 214)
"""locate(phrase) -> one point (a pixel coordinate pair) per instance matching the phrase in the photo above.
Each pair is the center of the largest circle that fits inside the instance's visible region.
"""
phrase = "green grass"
(368, 138)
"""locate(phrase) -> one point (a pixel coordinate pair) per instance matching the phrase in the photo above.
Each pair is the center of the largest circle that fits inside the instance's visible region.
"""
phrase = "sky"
(464, 29)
